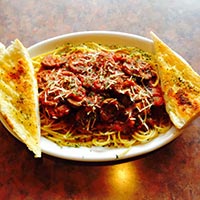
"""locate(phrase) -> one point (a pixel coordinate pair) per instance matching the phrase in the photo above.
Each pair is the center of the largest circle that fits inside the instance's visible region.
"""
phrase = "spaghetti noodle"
(97, 95)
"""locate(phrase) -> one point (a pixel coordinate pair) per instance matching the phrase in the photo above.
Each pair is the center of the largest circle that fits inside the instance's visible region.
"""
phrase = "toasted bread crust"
(180, 85)
(19, 99)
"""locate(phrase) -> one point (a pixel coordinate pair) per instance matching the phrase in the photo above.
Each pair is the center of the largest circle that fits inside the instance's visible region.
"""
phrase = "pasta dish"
(96, 95)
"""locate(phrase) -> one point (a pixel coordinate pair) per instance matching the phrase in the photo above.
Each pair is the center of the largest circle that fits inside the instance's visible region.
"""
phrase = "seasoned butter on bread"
(180, 84)
(19, 107)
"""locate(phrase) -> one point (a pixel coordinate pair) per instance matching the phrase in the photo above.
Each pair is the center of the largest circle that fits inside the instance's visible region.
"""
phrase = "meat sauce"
(101, 91)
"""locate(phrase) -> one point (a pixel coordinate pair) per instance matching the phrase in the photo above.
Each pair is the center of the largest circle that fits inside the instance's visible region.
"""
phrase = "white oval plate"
(97, 154)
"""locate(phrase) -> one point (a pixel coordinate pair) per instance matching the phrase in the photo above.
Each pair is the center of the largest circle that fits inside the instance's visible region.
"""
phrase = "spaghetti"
(97, 95)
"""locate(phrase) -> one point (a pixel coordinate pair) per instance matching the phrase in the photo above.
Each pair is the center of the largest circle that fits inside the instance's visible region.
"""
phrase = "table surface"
(172, 172)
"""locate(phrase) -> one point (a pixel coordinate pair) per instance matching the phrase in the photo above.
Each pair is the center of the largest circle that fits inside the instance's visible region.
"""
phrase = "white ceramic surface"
(97, 154)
